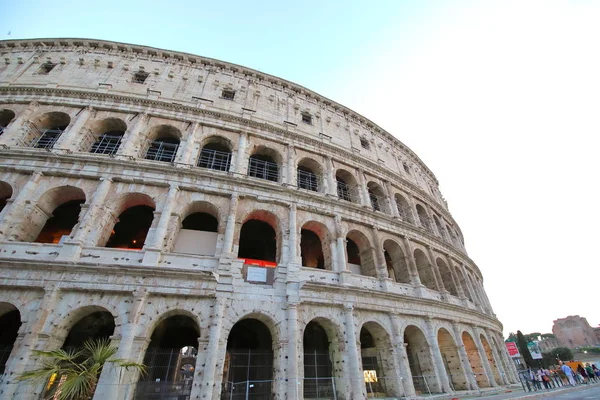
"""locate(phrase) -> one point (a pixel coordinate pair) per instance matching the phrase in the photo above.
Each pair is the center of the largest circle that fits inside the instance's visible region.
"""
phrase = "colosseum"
(241, 235)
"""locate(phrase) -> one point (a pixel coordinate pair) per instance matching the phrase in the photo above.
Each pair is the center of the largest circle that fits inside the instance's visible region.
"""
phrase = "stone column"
(130, 144)
(11, 224)
(381, 266)
(14, 133)
(364, 193)
(438, 365)
(206, 367)
(86, 233)
(21, 358)
(66, 139)
(497, 360)
(391, 200)
(293, 376)
(354, 365)
(436, 271)
(293, 243)
(509, 365)
(290, 178)
(486, 363)
(415, 279)
(403, 364)
(457, 284)
(464, 358)
(155, 247)
(186, 149)
(341, 245)
(115, 383)
(230, 226)
(331, 187)
(241, 162)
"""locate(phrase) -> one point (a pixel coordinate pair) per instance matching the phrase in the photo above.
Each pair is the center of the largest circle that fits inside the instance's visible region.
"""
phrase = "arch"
(318, 367)
(404, 209)
(264, 163)
(6, 117)
(475, 360)
(360, 255)
(170, 357)
(6, 192)
(378, 363)
(96, 324)
(451, 359)
(396, 262)
(377, 197)
(136, 214)
(108, 134)
(309, 175)
(55, 215)
(425, 270)
(260, 237)
(347, 188)
(420, 360)
(423, 218)
(249, 357)
(215, 154)
(439, 227)
(47, 129)
(10, 321)
(447, 276)
(315, 245)
(464, 285)
(198, 232)
(490, 357)
(164, 142)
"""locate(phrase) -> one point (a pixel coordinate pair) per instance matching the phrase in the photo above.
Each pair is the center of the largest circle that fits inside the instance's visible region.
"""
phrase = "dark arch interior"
(317, 363)
(131, 230)
(249, 334)
(10, 323)
(5, 117)
(200, 221)
(311, 250)
(175, 332)
(258, 241)
(163, 148)
(366, 339)
(389, 265)
(217, 147)
(61, 223)
(353, 252)
(97, 325)
(315, 337)
(215, 155)
(263, 166)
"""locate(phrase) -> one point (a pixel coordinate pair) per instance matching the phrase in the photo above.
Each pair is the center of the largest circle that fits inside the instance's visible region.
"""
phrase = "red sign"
(513, 351)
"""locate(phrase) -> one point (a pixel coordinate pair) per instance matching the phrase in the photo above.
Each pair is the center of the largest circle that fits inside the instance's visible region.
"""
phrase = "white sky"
(500, 99)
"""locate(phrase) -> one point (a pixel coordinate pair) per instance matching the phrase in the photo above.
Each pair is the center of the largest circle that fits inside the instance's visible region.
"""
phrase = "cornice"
(187, 59)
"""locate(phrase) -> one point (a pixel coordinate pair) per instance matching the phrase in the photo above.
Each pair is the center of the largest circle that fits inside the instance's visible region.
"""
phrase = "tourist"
(568, 373)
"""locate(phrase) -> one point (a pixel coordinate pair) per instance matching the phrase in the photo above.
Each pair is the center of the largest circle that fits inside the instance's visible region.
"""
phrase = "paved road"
(591, 393)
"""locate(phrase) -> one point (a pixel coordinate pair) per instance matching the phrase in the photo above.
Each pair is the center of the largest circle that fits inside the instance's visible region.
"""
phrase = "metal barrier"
(214, 159)
(263, 169)
(247, 390)
(107, 144)
(47, 139)
(320, 388)
(308, 180)
(162, 151)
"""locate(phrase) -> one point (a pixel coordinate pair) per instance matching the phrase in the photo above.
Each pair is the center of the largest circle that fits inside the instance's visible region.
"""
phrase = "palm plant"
(73, 374)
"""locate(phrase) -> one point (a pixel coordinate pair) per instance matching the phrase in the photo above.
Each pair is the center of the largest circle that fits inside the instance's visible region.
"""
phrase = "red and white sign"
(512, 348)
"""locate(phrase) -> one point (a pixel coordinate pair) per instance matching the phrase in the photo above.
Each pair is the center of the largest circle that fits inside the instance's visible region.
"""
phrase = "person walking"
(581, 371)
(568, 373)
(590, 372)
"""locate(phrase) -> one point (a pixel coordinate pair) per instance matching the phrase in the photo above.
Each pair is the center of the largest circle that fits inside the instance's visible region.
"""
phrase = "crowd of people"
(564, 375)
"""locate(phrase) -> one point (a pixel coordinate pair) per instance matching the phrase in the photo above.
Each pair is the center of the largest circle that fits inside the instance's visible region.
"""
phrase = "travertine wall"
(427, 297)
(574, 331)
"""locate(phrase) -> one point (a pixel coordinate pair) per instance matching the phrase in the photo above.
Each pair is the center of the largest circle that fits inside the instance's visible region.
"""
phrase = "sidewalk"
(513, 392)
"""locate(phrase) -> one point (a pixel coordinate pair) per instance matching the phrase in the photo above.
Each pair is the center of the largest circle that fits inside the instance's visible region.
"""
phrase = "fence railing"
(308, 180)
(106, 144)
(320, 388)
(263, 169)
(347, 192)
(162, 151)
(214, 159)
(47, 139)
(255, 390)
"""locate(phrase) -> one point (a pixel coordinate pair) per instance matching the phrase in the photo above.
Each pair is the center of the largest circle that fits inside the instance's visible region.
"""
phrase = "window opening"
(311, 250)
(318, 376)
(353, 252)
(228, 94)
(215, 156)
(163, 150)
(107, 143)
(63, 219)
(6, 116)
(200, 221)
(343, 190)
(46, 67)
(131, 230)
(364, 143)
(263, 167)
(374, 201)
(140, 76)
(307, 118)
(258, 241)
(406, 169)
(10, 323)
(307, 179)
(48, 138)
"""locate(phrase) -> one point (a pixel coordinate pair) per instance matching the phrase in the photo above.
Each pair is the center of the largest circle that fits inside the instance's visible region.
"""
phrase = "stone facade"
(182, 172)
(574, 331)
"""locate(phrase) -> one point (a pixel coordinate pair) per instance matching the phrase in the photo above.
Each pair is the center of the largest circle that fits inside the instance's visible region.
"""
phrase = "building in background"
(574, 331)
(241, 235)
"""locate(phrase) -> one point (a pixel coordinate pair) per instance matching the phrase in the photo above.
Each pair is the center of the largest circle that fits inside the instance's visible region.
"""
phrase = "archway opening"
(131, 230)
(10, 321)
(95, 326)
(6, 193)
(6, 116)
(451, 359)
(170, 360)
(163, 149)
(377, 361)
(215, 155)
(49, 128)
(420, 361)
(490, 357)
(404, 209)
(424, 218)
(108, 135)
(258, 241)
(61, 223)
(376, 196)
(426, 274)
(198, 235)
(248, 370)
(360, 254)
(311, 250)
(263, 165)
(475, 360)
(396, 262)
(346, 186)
(447, 277)
(318, 373)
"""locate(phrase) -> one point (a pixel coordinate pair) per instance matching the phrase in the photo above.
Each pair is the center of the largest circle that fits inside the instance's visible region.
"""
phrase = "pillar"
(457, 283)
(11, 223)
(486, 363)
(206, 367)
(241, 162)
(155, 247)
(464, 358)
(293, 375)
(381, 267)
(438, 364)
(362, 189)
(354, 366)
(131, 139)
(391, 200)
(403, 364)
(415, 280)
(293, 242)
(331, 184)
(291, 171)
(436, 271)
(66, 140)
(16, 131)
(497, 360)
(230, 226)
(341, 245)
(86, 233)
(186, 149)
